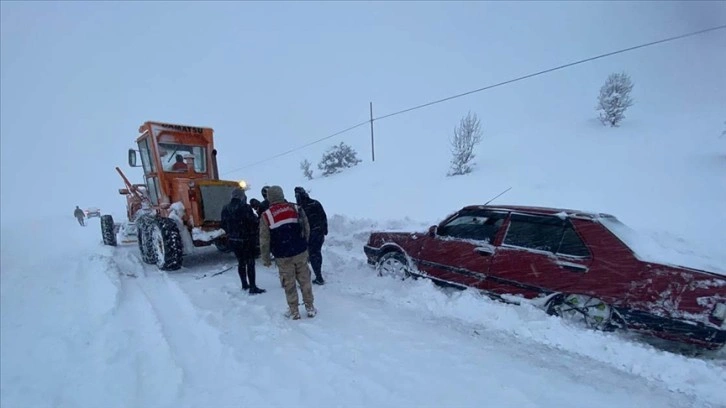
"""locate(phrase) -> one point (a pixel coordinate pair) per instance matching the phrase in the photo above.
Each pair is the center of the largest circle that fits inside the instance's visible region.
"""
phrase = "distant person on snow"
(318, 230)
(284, 231)
(240, 224)
(80, 215)
(179, 165)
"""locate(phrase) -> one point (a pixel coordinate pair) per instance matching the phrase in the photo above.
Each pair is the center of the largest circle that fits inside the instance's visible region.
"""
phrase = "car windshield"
(657, 248)
(172, 157)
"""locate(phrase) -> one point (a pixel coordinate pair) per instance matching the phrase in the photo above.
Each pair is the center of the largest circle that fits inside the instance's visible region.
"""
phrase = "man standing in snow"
(240, 223)
(255, 204)
(284, 231)
(318, 230)
(265, 204)
(80, 215)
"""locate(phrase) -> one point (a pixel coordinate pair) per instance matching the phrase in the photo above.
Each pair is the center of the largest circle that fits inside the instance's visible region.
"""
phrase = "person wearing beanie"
(240, 223)
(265, 204)
(318, 230)
(284, 232)
(255, 204)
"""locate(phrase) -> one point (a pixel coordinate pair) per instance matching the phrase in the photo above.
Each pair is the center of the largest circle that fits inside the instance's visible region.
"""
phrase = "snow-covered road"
(85, 326)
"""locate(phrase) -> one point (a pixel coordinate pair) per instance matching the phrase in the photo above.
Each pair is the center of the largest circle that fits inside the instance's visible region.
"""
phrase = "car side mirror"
(432, 231)
(132, 158)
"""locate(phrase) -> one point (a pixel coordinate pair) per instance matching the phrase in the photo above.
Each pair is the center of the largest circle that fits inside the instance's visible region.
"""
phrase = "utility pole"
(373, 149)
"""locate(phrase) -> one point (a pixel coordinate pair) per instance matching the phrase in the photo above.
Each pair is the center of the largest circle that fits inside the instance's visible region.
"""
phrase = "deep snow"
(85, 325)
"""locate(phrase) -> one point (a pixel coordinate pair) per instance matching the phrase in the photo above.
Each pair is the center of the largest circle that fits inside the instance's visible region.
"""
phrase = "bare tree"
(338, 158)
(466, 136)
(614, 99)
(305, 167)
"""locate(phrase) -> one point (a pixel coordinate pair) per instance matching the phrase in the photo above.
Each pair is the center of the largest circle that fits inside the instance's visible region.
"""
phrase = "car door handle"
(486, 251)
(575, 267)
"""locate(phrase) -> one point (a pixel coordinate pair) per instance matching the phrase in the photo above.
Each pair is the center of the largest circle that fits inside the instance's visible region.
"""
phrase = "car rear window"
(571, 244)
(545, 233)
(540, 233)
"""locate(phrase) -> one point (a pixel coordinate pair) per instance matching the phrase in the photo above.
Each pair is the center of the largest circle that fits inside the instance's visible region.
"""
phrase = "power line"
(299, 147)
(546, 71)
(552, 70)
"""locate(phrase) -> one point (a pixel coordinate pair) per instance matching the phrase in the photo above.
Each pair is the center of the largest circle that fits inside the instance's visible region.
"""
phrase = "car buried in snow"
(576, 265)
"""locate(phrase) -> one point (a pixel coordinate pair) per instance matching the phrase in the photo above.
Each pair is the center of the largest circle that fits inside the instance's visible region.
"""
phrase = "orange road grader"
(179, 205)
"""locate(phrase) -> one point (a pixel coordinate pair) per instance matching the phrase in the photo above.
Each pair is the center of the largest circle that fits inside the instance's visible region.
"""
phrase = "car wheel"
(584, 310)
(393, 264)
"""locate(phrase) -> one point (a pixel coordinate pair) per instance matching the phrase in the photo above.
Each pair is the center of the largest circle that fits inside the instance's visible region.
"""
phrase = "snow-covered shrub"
(305, 167)
(614, 99)
(338, 158)
(466, 136)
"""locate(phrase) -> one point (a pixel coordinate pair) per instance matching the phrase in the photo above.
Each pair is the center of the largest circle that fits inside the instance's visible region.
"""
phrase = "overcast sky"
(77, 79)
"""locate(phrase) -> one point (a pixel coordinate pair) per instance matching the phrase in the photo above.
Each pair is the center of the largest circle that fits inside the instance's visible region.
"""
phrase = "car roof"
(535, 210)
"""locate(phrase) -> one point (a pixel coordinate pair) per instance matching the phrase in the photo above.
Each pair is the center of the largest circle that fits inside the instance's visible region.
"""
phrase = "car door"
(539, 254)
(460, 251)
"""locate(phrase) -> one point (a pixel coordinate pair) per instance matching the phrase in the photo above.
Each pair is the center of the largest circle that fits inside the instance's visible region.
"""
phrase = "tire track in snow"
(208, 366)
(151, 373)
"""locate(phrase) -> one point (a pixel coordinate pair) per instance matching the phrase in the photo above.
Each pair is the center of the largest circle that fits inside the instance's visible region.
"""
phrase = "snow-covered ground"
(85, 325)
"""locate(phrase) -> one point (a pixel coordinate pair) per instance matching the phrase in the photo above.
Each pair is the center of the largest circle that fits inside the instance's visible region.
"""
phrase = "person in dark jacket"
(265, 204)
(318, 221)
(240, 224)
(80, 215)
(255, 204)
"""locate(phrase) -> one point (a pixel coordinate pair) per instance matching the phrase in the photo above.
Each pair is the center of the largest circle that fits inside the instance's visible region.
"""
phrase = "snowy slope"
(85, 325)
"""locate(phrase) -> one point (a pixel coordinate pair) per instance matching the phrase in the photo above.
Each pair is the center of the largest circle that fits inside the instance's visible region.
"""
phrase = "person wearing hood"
(240, 223)
(284, 232)
(80, 215)
(318, 230)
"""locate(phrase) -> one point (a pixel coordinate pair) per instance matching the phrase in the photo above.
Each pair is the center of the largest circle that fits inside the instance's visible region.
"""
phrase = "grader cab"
(179, 204)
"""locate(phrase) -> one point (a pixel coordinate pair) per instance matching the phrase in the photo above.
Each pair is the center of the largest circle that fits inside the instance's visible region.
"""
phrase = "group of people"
(291, 233)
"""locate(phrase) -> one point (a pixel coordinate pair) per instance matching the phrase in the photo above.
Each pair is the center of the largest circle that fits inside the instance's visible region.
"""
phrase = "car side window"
(479, 226)
(571, 244)
(542, 233)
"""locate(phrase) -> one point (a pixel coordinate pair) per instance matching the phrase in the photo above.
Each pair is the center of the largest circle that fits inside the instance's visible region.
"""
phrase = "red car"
(574, 264)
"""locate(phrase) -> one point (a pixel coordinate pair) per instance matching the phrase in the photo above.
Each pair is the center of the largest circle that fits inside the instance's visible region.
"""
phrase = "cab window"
(173, 156)
(145, 153)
